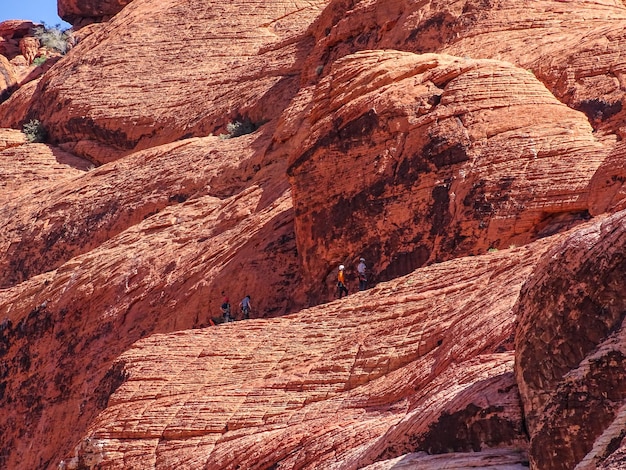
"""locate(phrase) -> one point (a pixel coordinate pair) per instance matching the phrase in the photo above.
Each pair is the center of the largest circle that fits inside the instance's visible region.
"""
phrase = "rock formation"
(80, 13)
(445, 176)
(189, 80)
(7, 78)
(29, 47)
(470, 150)
(571, 348)
(320, 384)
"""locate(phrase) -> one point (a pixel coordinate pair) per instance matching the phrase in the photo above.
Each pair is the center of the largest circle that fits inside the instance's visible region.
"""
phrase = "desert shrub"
(39, 60)
(53, 37)
(35, 131)
(239, 128)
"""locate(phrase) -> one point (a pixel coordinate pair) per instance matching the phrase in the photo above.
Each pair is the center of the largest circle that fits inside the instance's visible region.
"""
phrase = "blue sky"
(34, 10)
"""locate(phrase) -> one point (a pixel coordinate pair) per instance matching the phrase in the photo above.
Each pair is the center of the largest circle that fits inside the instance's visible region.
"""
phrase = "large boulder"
(81, 12)
(427, 157)
(570, 348)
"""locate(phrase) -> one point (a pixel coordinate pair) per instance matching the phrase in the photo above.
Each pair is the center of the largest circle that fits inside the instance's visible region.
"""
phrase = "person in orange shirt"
(341, 282)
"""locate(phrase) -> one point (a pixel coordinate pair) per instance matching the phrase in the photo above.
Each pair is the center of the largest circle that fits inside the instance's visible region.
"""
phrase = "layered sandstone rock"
(217, 221)
(11, 138)
(501, 459)
(11, 33)
(450, 148)
(427, 157)
(79, 215)
(573, 47)
(607, 189)
(195, 68)
(385, 372)
(27, 171)
(8, 78)
(571, 348)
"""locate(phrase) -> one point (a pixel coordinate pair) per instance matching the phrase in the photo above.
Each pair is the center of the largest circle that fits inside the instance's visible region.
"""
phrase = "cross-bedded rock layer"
(428, 157)
(413, 133)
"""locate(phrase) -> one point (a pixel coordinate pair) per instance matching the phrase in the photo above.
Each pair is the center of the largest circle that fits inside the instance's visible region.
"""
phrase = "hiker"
(362, 277)
(226, 309)
(245, 307)
(341, 282)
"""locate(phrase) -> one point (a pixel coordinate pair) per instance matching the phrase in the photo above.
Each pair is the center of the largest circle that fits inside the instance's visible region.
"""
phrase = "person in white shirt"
(362, 276)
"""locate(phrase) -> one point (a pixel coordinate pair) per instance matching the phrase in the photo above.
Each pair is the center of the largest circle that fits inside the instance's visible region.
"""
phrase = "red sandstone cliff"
(468, 149)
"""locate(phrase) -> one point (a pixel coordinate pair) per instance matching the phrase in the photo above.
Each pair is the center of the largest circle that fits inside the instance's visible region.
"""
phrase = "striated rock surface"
(226, 226)
(196, 68)
(501, 459)
(79, 215)
(607, 189)
(573, 47)
(11, 138)
(571, 348)
(421, 135)
(386, 372)
(11, 33)
(427, 157)
(30, 169)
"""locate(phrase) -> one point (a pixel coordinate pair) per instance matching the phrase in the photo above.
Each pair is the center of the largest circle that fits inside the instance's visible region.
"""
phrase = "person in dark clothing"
(226, 309)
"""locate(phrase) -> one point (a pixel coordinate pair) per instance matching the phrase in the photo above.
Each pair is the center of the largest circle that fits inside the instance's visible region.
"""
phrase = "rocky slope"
(470, 150)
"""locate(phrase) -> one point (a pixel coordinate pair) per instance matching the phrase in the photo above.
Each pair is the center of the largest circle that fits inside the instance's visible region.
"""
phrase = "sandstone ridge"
(469, 150)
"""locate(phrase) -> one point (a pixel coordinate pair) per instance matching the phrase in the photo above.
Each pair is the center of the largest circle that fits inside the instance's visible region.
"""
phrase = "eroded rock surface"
(196, 68)
(427, 157)
(607, 191)
(79, 13)
(414, 133)
(27, 171)
(414, 364)
(570, 348)
(572, 47)
(8, 78)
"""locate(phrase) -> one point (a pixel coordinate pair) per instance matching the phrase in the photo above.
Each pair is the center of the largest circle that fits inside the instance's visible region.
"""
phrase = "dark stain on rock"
(405, 263)
(35, 325)
(579, 412)
(477, 200)
(340, 216)
(436, 30)
(85, 126)
(410, 168)
(598, 110)
(559, 222)
(443, 152)
(115, 376)
(469, 430)
(439, 212)
(353, 134)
